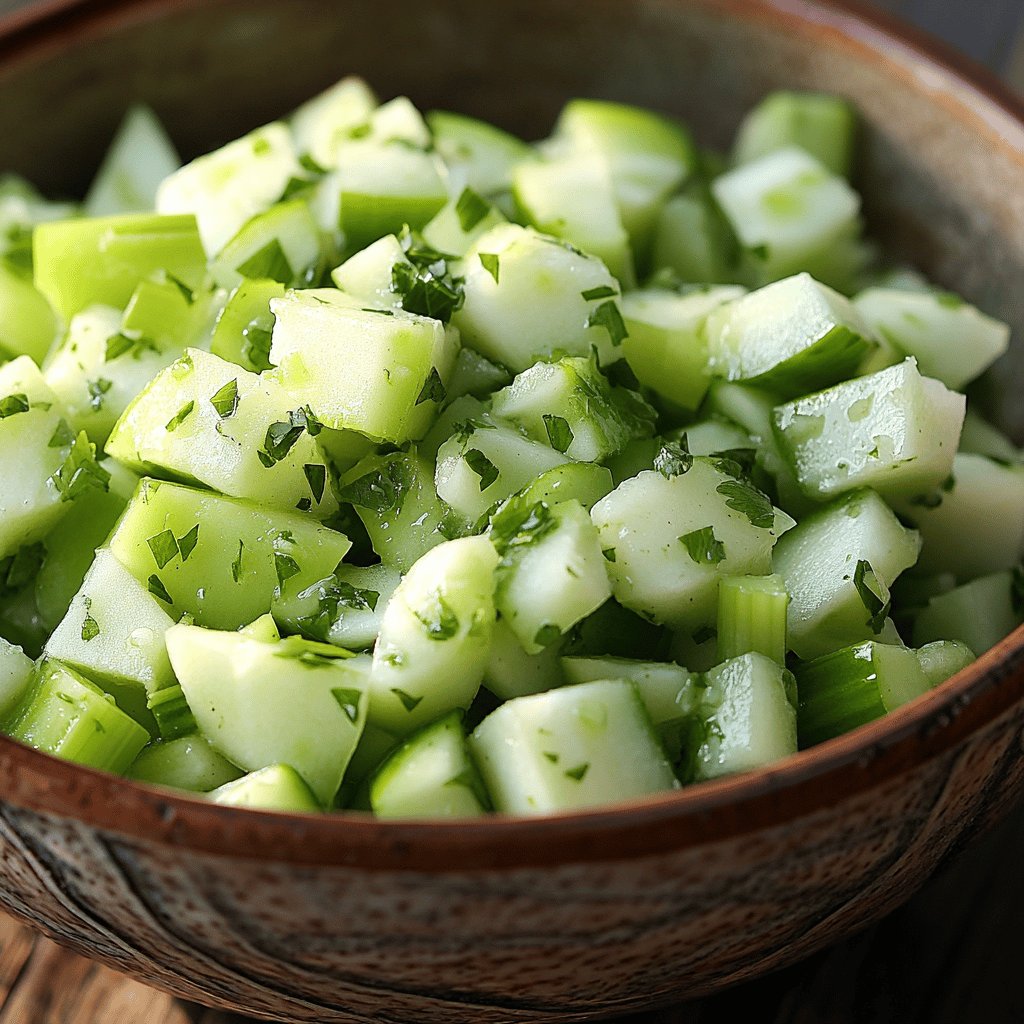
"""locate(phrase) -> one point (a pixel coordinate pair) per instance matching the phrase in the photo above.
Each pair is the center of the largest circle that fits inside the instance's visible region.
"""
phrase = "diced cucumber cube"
(476, 375)
(21, 209)
(838, 565)
(979, 614)
(572, 197)
(460, 222)
(820, 123)
(187, 763)
(793, 336)
(101, 260)
(291, 702)
(221, 560)
(570, 748)
(325, 123)
(694, 241)
(434, 637)
(669, 535)
(665, 346)
(894, 431)
(981, 438)
(582, 481)
(15, 677)
(226, 188)
(278, 787)
(511, 672)
(369, 274)
(206, 420)
(380, 372)
(950, 339)
(790, 213)
(478, 154)
(529, 296)
(571, 406)
(942, 659)
(552, 572)
(715, 436)
(27, 324)
(430, 775)
(244, 327)
(139, 158)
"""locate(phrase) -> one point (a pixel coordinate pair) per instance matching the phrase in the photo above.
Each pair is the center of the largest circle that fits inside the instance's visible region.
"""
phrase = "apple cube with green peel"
(894, 430)
(790, 213)
(278, 787)
(570, 748)
(114, 632)
(838, 565)
(28, 326)
(552, 572)
(434, 636)
(243, 329)
(188, 763)
(477, 154)
(222, 560)
(101, 260)
(379, 372)
(206, 420)
(326, 122)
(950, 339)
(226, 188)
(572, 197)
(665, 346)
(671, 533)
(529, 296)
(793, 336)
(291, 701)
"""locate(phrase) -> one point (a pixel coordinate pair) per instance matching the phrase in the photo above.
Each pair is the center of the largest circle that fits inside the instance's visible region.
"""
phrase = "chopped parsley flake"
(609, 554)
(559, 432)
(604, 291)
(409, 702)
(285, 566)
(97, 390)
(486, 470)
(577, 773)
(187, 544)
(157, 589)
(437, 618)
(179, 417)
(164, 548)
(745, 498)
(471, 208)
(381, 490)
(90, 627)
(80, 472)
(316, 477)
(673, 458)
(236, 565)
(11, 405)
(225, 401)
(433, 389)
(348, 701)
(270, 262)
(872, 595)
(703, 546)
(608, 316)
(491, 263)
(63, 435)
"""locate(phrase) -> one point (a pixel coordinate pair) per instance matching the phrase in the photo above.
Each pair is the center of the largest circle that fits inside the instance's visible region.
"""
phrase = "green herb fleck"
(11, 405)
(491, 263)
(608, 316)
(486, 470)
(673, 458)
(551, 756)
(164, 548)
(437, 618)
(225, 401)
(348, 701)
(471, 208)
(409, 702)
(97, 389)
(424, 280)
(872, 595)
(703, 546)
(547, 635)
(381, 490)
(518, 524)
(316, 477)
(433, 389)
(120, 343)
(281, 437)
(609, 554)
(187, 544)
(157, 589)
(63, 435)
(80, 472)
(285, 566)
(559, 432)
(745, 498)
(603, 291)
(90, 627)
(236, 565)
(577, 773)
(21, 568)
(269, 262)
(179, 417)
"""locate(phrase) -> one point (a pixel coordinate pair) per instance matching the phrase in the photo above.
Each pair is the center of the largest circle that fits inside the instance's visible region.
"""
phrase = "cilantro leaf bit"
(608, 316)
(11, 405)
(491, 263)
(381, 490)
(745, 498)
(187, 544)
(609, 554)
(236, 565)
(179, 417)
(348, 700)
(703, 546)
(424, 280)
(438, 618)
(269, 262)
(158, 590)
(577, 773)
(482, 466)
(409, 702)
(517, 524)
(603, 291)
(547, 635)
(119, 344)
(559, 432)
(872, 595)
(316, 477)
(433, 389)
(225, 401)
(281, 437)
(97, 389)
(80, 472)
(63, 435)
(90, 627)
(334, 595)
(471, 208)
(256, 346)
(164, 548)
(285, 566)
(673, 458)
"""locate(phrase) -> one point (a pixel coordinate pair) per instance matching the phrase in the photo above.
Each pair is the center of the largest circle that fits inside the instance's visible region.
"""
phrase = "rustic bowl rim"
(801, 785)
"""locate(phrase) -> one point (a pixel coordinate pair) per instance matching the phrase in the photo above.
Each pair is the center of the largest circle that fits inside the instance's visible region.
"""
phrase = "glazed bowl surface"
(344, 919)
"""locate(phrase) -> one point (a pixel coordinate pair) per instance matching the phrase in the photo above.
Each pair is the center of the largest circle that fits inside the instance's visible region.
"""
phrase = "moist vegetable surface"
(383, 461)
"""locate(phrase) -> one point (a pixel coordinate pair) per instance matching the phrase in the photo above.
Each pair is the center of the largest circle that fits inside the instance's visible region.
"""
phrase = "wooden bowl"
(342, 918)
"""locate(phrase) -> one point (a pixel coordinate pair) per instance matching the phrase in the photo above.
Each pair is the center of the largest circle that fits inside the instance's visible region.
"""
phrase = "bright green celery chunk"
(838, 565)
(226, 188)
(529, 296)
(950, 339)
(979, 614)
(101, 260)
(434, 636)
(344, 608)
(66, 715)
(572, 197)
(114, 634)
(431, 775)
(229, 558)
(790, 214)
(484, 463)
(380, 372)
(665, 347)
(290, 701)
(42, 465)
(394, 496)
(477, 154)
(171, 712)
(570, 405)
(323, 124)
(27, 324)
(188, 763)
(206, 420)
(139, 158)
(243, 330)
(282, 244)
(71, 547)
(278, 787)
(973, 523)
(460, 222)
(16, 670)
(694, 241)
(853, 686)
(552, 572)
(669, 535)
(942, 659)
(793, 336)
(752, 617)
(894, 431)
(823, 125)
(511, 672)
(563, 750)
(649, 157)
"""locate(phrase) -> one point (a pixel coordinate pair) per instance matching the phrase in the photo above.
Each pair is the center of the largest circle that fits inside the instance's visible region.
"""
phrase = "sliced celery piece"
(187, 763)
(170, 709)
(752, 617)
(278, 787)
(979, 614)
